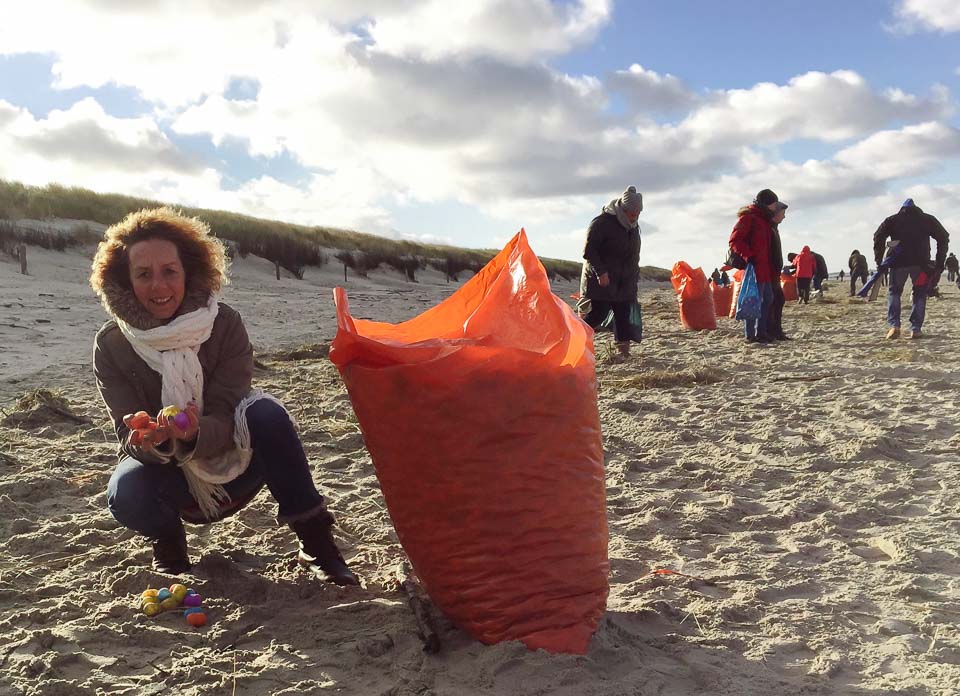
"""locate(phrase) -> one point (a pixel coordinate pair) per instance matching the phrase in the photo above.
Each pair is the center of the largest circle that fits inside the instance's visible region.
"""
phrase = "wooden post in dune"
(22, 255)
(277, 264)
(344, 273)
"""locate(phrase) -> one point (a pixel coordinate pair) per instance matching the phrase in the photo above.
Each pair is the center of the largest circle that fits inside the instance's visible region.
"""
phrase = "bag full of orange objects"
(695, 297)
(789, 285)
(722, 297)
(481, 418)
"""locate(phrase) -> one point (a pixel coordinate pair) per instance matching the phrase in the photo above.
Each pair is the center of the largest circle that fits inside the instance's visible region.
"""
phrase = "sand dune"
(807, 493)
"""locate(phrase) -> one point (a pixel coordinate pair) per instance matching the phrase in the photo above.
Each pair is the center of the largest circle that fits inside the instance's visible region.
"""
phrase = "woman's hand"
(604, 280)
(145, 432)
(184, 425)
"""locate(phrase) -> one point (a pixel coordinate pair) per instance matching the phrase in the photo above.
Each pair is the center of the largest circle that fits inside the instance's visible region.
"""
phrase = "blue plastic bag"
(748, 302)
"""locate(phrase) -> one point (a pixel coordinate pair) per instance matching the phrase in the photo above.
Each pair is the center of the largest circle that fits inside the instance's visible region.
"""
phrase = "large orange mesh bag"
(722, 297)
(481, 418)
(694, 296)
(789, 285)
(737, 282)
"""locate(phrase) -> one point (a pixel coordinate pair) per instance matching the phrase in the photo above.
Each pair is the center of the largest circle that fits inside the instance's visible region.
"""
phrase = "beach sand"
(808, 493)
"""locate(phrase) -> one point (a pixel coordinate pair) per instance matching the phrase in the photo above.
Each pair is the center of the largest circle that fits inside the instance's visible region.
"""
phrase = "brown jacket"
(127, 385)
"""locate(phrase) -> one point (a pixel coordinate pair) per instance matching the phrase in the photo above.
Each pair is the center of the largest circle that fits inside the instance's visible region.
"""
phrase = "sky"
(459, 123)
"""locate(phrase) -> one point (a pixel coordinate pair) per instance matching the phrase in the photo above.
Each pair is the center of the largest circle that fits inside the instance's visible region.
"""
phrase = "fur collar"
(121, 303)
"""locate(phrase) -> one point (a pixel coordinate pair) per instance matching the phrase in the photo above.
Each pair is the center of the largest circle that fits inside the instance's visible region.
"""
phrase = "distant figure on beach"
(715, 276)
(840, 275)
(170, 344)
(806, 266)
(775, 320)
(858, 270)
(611, 269)
(724, 279)
(913, 229)
(953, 267)
(751, 238)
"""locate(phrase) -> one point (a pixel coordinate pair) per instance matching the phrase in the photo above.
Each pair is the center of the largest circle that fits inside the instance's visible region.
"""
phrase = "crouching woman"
(171, 345)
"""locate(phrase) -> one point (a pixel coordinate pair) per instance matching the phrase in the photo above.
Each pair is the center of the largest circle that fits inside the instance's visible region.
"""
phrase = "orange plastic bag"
(695, 297)
(481, 418)
(722, 297)
(789, 285)
(737, 281)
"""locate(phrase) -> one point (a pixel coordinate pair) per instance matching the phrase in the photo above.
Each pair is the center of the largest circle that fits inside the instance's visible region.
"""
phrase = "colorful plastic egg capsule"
(178, 591)
(169, 603)
(181, 420)
(163, 594)
(148, 594)
(190, 590)
(192, 610)
(151, 608)
(197, 619)
(192, 600)
(170, 411)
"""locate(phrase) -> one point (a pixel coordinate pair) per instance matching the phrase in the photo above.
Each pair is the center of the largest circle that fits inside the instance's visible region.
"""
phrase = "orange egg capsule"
(197, 619)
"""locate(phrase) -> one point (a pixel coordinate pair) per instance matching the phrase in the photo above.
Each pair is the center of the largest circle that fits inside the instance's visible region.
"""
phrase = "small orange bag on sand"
(737, 281)
(481, 418)
(789, 285)
(694, 296)
(722, 297)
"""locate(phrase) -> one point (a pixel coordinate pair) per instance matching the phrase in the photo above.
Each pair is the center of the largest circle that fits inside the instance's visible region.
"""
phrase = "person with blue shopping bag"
(751, 238)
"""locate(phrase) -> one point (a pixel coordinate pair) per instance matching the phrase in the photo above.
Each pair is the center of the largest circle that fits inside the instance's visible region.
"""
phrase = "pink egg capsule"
(181, 420)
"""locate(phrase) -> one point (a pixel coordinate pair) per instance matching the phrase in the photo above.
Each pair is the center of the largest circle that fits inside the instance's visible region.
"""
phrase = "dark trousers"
(600, 309)
(147, 498)
(803, 289)
(853, 281)
(775, 320)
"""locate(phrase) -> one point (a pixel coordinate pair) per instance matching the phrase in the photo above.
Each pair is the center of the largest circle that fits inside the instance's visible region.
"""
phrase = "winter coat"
(805, 263)
(913, 228)
(127, 385)
(614, 250)
(752, 239)
(952, 263)
(857, 264)
(821, 271)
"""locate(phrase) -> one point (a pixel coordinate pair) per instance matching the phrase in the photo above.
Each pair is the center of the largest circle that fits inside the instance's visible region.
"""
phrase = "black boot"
(170, 554)
(319, 552)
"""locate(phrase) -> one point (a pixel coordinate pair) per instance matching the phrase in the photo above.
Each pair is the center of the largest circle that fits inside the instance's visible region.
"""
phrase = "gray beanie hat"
(631, 201)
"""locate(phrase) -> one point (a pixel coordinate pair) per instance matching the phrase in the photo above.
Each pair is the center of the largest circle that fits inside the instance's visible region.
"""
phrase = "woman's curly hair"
(202, 254)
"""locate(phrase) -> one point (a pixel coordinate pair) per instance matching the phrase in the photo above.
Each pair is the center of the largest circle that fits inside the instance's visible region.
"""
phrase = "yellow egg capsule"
(169, 603)
(178, 591)
(148, 594)
(151, 608)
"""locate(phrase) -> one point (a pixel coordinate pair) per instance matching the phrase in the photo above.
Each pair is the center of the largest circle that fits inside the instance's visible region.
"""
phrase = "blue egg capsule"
(192, 610)
(163, 594)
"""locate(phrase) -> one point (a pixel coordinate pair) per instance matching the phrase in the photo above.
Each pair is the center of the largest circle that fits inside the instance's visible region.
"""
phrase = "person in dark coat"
(952, 264)
(715, 276)
(775, 321)
(724, 279)
(912, 229)
(840, 275)
(820, 274)
(858, 270)
(611, 269)
(751, 238)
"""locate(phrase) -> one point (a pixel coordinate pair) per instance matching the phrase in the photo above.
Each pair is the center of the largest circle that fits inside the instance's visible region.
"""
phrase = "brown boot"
(623, 347)
(170, 554)
(319, 552)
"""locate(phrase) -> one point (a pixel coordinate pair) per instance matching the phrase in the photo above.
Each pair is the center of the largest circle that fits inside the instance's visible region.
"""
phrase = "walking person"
(840, 275)
(952, 265)
(858, 270)
(820, 273)
(751, 238)
(806, 266)
(912, 229)
(611, 269)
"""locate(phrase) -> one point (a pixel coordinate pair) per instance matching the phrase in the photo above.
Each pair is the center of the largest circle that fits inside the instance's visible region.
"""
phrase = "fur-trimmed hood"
(121, 303)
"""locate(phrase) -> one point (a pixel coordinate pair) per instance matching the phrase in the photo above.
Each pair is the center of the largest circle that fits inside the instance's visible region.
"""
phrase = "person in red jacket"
(806, 265)
(751, 238)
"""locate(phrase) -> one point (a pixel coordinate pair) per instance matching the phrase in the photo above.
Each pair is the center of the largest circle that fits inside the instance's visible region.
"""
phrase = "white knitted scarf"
(171, 350)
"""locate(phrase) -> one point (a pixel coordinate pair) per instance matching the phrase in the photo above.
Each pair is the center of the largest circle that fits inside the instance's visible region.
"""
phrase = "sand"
(807, 492)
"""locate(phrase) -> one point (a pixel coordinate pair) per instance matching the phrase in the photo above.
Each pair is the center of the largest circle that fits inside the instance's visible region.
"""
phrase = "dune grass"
(294, 247)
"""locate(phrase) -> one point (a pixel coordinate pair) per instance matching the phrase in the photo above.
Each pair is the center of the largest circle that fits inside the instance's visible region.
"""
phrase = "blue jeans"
(147, 498)
(898, 278)
(758, 327)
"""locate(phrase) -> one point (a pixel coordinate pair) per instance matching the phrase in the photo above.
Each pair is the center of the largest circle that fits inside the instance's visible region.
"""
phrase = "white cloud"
(938, 15)
(648, 91)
